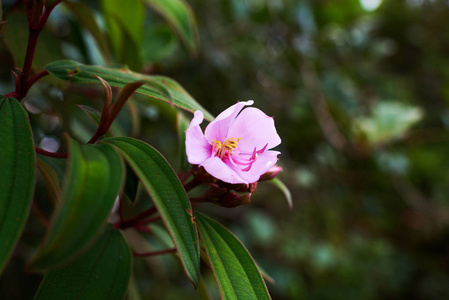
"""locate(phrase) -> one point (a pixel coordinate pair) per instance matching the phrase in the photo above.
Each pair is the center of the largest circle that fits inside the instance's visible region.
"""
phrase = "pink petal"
(256, 130)
(198, 148)
(218, 128)
(263, 163)
(217, 168)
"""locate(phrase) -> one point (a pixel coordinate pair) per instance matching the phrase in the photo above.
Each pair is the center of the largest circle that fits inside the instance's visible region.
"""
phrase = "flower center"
(225, 148)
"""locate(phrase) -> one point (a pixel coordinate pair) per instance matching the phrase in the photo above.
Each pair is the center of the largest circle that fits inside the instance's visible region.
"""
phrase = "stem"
(97, 135)
(150, 220)
(35, 28)
(36, 77)
(142, 228)
(194, 200)
(153, 253)
(31, 49)
(192, 184)
(137, 219)
(50, 154)
(12, 95)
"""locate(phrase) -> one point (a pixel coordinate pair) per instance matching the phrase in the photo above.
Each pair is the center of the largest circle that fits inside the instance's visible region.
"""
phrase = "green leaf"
(284, 189)
(124, 21)
(236, 272)
(159, 42)
(94, 179)
(180, 16)
(80, 73)
(130, 54)
(170, 198)
(87, 18)
(101, 273)
(17, 174)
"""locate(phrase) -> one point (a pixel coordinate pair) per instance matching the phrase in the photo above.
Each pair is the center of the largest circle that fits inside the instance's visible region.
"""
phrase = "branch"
(50, 154)
(136, 219)
(153, 253)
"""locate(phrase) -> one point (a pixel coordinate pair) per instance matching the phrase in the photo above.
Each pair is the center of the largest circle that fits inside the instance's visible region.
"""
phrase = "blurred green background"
(359, 91)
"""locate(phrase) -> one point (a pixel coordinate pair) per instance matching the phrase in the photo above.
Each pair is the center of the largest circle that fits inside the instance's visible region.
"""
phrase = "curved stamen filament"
(239, 160)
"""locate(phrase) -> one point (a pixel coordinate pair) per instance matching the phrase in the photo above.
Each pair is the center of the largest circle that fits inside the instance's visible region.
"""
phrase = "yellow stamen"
(227, 147)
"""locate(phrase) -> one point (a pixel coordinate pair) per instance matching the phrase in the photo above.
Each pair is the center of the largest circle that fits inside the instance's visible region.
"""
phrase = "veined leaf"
(94, 179)
(17, 174)
(236, 272)
(180, 16)
(170, 198)
(80, 73)
(101, 273)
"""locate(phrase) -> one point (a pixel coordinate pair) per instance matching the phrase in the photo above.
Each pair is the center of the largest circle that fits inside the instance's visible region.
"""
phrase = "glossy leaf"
(236, 272)
(102, 272)
(170, 198)
(156, 87)
(94, 179)
(180, 16)
(284, 189)
(17, 174)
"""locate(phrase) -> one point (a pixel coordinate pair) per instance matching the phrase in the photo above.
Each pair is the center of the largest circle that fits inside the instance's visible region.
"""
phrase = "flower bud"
(271, 173)
(231, 199)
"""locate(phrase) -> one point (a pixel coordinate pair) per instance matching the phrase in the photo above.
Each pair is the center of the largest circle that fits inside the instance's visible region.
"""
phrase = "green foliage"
(360, 99)
(157, 87)
(94, 178)
(17, 176)
(169, 197)
(236, 272)
(92, 275)
(180, 16)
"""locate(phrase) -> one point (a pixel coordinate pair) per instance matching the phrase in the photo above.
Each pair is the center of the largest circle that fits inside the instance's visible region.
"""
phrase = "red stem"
(51, 154)
(12, 95)
(31, 49)
(136, 219)
(153, 253)
(192, 184)
(36, 77)
(150, 220)
(33, 36)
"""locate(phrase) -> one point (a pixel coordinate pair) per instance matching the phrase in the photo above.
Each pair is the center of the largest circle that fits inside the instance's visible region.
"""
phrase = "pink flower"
(234, 147)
